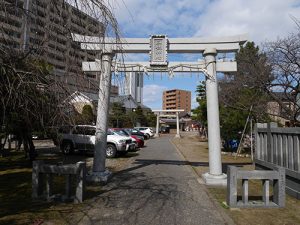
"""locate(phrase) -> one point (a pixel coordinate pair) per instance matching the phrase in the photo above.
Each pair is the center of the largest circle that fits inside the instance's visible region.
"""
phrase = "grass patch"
(266, 216)
(196, 151)
(16, 205)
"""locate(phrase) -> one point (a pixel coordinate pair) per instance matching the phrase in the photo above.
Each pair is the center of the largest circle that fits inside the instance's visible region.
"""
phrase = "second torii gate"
(158, 46)
(163, 113)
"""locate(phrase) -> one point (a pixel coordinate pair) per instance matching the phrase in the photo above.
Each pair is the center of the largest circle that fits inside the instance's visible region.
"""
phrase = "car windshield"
(135, 131)
(129, 131)
(120, 132)
(126, 132)
(110, 132)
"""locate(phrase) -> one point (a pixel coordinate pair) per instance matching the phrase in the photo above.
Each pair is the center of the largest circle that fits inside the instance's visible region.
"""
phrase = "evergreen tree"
(88, 115)
(246, 88)
(200, 113)
(117, 115)
(243, 91)
(140, 117)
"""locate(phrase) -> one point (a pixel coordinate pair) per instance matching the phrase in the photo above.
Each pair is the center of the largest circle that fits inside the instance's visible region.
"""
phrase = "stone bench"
(43, 173)
(277, 177)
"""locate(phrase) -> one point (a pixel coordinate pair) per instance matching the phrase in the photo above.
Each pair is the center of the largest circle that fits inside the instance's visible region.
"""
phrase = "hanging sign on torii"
(158, 52)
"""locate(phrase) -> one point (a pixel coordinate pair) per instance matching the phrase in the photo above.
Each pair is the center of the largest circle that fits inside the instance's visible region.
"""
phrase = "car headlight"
(122, 141)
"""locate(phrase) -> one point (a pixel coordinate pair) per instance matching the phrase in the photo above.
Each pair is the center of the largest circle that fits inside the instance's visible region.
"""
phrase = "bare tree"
(284, 58)
(31, 92)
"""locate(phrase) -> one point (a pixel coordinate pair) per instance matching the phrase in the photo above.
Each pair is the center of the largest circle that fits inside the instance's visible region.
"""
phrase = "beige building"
(277, 112)
(44, 28)
(177, 99)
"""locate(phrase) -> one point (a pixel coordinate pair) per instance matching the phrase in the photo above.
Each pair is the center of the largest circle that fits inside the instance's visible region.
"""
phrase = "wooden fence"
(276, 146)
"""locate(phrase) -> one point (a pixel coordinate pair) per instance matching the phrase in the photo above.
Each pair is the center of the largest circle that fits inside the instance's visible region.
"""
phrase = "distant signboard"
(158, 53)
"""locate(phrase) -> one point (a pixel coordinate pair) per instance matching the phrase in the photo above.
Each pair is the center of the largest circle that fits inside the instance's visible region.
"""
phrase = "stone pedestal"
(215, 180)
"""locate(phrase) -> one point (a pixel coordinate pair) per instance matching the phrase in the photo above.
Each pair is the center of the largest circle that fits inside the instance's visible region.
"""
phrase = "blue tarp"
(232, 144)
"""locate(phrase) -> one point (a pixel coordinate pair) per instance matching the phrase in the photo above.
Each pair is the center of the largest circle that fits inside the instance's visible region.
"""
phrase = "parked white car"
(130, 147)
(148, 131)
(82, 137)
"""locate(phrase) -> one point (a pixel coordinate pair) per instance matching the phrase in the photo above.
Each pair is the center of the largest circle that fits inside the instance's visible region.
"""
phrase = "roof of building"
(176, 90)
(94, 98)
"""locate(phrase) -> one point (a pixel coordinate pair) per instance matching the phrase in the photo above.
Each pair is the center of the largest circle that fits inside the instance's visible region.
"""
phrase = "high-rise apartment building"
(177, 99)
(44, 27)
(134, 83)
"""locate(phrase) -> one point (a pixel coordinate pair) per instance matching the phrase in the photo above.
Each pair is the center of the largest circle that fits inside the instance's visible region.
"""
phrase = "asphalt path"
(157, 188)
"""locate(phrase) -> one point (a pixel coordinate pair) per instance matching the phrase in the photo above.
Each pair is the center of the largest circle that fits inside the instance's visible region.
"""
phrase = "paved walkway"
(157, 188)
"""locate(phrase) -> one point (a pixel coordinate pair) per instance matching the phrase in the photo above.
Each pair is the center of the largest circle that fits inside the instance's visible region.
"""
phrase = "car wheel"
(111, 151)
(67, 148)
(148, 136)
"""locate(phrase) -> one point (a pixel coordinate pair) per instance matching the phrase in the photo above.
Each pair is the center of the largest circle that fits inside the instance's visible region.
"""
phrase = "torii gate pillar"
(215, 175)
(157, 126)
(99, 172)
(177, 125)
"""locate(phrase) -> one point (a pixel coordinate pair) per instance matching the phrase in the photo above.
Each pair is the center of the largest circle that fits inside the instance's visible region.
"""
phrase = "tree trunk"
(2, 147)
(29, 147)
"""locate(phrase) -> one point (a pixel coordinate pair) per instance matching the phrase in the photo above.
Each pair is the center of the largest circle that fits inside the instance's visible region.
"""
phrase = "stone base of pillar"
(99, 177)
(215, 180)
(177, 136)
(156, 135)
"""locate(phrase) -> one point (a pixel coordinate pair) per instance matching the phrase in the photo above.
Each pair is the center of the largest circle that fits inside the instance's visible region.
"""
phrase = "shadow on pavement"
(133, 198)
(146, 162)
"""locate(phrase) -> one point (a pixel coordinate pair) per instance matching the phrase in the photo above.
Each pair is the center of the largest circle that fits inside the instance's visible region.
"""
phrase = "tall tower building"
(177, 99)
(134, 83)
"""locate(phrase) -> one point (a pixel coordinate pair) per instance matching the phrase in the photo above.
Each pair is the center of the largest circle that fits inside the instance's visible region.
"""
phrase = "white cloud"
(153, 95)
(263, 20)
(171, 17)
(136, 57)
(194, 103)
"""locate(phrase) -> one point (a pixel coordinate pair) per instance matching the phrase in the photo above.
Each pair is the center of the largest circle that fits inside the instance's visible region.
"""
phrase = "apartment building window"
(10, 21)
(11, 33)
(60, 67)
(41, 4)
(41, 13)
(90, 75)
(35, 41)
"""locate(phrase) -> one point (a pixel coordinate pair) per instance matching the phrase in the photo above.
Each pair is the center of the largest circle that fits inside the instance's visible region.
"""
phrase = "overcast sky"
(263, 20)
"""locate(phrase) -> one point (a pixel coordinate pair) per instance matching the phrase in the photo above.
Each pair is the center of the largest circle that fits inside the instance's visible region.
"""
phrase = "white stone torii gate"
(158, 47)
(159, 113)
